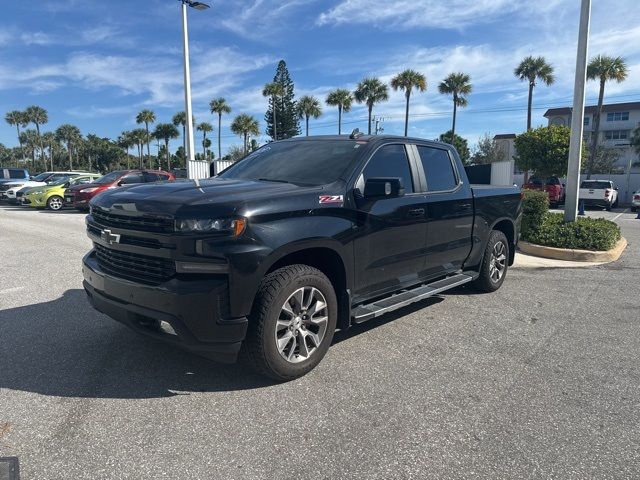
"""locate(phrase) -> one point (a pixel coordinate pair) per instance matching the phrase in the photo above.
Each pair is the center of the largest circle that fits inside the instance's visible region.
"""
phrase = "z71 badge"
(333, 199)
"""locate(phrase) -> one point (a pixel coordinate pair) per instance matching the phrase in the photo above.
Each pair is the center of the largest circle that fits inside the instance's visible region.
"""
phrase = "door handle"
(416, 212)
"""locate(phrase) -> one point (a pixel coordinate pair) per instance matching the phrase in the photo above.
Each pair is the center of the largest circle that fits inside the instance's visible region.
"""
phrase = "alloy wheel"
(301, 324)
(498, 262)
(55, 203)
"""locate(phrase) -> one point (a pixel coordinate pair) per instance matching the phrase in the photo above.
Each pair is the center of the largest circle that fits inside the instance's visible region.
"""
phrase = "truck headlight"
(229, 226)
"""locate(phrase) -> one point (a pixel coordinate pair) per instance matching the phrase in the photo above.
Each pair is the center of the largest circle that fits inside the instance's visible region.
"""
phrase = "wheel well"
(506, 227)
(329, 263)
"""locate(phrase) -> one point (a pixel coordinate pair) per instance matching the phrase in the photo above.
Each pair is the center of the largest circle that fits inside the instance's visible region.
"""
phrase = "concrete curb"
(574, 255)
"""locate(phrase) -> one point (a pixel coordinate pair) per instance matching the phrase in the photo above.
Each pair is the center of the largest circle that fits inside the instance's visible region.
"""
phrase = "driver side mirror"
(383, 188)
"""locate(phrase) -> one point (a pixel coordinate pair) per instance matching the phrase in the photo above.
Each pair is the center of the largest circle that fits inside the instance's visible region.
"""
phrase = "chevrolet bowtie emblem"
(109, 237)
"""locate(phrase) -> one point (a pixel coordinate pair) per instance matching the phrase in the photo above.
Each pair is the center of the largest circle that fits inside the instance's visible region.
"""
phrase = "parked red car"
(79, 196)
(553, 187)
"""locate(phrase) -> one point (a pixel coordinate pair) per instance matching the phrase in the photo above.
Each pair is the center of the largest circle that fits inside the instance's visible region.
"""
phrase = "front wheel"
(292, 322)
(55, 203)
(495, 263)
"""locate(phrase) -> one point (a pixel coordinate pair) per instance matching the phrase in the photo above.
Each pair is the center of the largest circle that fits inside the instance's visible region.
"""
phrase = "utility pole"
(577, 118)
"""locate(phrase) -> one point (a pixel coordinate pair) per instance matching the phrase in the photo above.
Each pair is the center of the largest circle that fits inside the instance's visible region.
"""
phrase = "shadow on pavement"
(65, 348)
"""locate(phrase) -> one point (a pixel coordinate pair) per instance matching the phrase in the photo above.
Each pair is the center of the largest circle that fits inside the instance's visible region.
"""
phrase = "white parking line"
(620, 214)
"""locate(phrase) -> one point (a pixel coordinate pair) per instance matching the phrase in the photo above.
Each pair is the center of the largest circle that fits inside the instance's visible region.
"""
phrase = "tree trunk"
(275, 128)
(219, 131)
(370, 109)
(148, 143)
(307, 121)
(204, 147)
(42, 156)
(166, 145)
(20, 141)
(531, 84)
(340, 119)
(245, 142)
(596, 130)
(455, 113)
(70, 158)
(51, 155)
(406, 114)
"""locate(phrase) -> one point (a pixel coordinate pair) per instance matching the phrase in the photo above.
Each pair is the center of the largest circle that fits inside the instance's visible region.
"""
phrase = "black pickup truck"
(299, 238)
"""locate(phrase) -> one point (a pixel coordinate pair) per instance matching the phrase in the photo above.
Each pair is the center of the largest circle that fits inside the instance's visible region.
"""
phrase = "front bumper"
(194, 310)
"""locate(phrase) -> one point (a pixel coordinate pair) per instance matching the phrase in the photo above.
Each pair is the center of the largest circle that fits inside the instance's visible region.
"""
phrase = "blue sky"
(97, 63)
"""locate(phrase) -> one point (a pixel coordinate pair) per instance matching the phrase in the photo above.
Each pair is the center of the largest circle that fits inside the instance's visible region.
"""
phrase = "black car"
(299, 238)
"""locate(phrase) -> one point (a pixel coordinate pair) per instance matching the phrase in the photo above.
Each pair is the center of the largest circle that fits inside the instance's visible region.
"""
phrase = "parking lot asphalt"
(538, 380)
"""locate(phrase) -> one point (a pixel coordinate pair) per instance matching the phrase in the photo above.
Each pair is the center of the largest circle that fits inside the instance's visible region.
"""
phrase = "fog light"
(167, 328)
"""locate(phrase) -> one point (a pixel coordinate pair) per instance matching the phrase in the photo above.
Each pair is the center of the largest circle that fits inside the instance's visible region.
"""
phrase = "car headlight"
(89, 190)
(229, 226)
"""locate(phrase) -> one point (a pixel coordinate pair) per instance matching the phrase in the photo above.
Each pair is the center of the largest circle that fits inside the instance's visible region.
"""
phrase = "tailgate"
(591, 194)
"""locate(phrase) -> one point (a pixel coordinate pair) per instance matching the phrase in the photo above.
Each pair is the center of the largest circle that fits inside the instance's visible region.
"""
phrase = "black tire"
(55, 203)
(608, 207)
(259, 349)
(486, 282)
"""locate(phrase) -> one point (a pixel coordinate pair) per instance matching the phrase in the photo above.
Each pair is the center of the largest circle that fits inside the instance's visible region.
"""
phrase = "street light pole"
(577, 118)
(192, 171)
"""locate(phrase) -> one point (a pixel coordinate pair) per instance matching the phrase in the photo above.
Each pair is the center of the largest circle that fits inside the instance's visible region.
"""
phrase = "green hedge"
(534, 207)
(585, 234)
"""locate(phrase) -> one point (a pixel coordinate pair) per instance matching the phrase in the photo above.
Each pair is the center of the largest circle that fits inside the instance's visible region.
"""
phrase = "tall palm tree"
(205, 128)
(274, 90)
(308, 106)
(458, 85)
(219, 106)
(178, 119)
(69, 135)
(341, 98)
(166, 131)
(38, 116)
(49, 139)
(125, 141)
(29, 138)
(146, 117)
(532, 69)
(17, 119)
(371, 91)
(603, 68)
(407, 81)
(139, 136)
(245, 125)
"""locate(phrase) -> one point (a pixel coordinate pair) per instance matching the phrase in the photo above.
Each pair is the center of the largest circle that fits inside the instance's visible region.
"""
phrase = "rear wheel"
(55, 202)
(495, 263)
(292, 322)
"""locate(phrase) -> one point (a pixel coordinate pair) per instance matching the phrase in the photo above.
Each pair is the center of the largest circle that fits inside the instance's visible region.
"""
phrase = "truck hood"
(207, 197)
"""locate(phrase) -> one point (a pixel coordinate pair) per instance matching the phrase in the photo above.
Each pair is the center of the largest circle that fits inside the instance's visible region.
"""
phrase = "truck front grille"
(135, 267)
(142, 223)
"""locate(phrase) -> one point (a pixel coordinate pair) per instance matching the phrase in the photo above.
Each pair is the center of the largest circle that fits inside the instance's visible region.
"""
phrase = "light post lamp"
(192, 167)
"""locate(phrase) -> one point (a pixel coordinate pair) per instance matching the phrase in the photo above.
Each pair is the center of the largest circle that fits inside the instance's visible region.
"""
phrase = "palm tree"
(70, 135)
(371, 91)
(274, 90)
(29, 138)
(178, 119)
(532, 69)
(147, 117)
(219, 106)
(406, 81)
(205, 128)
(18, 119)
(166, 131)
(603, 68)
(341, 98)
(125, 141)
(49, 139)
(245, 125)
(308, 106)
(139, 136)
(38, 116)
(458, 85)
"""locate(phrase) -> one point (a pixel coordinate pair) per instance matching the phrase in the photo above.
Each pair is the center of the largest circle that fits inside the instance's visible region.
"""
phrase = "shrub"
(534, 207)
(586, 233)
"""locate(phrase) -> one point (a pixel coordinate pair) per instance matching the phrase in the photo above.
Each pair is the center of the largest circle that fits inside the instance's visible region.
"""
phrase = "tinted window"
(109, 177)
(152, 177)
(438, 169)
(17, 174)
(303, 162)
(595, 185)
(132, 178)
(390, 161)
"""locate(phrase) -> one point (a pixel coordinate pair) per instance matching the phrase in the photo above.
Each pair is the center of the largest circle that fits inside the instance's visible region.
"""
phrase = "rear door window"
(390, 161)
(132, 178)
(438, 169)
(17, 173)
(152, 177)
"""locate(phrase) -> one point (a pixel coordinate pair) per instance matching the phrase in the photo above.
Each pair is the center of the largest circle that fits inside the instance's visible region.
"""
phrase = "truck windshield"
(304, 162)
(595, 185)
